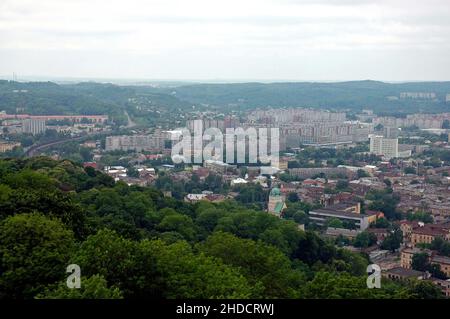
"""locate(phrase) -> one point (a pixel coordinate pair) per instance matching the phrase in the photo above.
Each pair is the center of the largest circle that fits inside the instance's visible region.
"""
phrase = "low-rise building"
(443, 262)
(443, 284)
(406, 256)
(217, 166)
(214, 198)
(346, 212)
(336, 232)
(8, 146)
(426, 233)
(399, 273)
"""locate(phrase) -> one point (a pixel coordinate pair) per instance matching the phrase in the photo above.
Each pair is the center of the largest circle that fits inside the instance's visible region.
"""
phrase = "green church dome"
(275, 192)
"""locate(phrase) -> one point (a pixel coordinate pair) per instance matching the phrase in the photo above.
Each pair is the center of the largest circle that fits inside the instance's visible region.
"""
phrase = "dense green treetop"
(132, 242)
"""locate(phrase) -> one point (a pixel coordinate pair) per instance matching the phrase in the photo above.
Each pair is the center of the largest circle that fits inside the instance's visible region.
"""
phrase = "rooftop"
(332, 212)
(403, 272)
(441, 259)
(431, 229)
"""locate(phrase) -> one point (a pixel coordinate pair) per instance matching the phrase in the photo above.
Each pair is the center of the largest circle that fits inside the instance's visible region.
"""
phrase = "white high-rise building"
(33, 126)
(386, 147)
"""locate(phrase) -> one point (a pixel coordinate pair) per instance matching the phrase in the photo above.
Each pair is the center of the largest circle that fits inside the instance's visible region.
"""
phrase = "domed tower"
(276, 202)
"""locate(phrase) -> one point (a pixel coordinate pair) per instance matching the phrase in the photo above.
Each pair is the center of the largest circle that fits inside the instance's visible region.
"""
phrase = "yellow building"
(6, 146)
(283, 163)
(428, 232)
(443, 262)
(406, 256)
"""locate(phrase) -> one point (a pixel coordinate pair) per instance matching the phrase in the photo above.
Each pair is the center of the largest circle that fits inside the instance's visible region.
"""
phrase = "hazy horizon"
(143, 81)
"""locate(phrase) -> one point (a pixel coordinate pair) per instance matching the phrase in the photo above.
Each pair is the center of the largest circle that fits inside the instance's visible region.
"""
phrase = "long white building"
(152, 142)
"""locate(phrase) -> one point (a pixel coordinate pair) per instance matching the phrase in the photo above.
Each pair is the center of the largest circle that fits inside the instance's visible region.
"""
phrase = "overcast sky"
(392, 40)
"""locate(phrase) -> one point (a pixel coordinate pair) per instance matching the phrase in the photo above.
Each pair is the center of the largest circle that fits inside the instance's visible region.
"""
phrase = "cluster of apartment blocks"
(301, 115)
(297, 126)
(310, 126)
(418, 95)
(74, 118)
(155, 142)
(36, 124)
(423, 121)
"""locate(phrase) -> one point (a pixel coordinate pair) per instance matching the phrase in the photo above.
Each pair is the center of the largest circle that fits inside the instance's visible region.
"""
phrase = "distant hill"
(86, 98)
(354, 95)
(50, 98)
(111, 99)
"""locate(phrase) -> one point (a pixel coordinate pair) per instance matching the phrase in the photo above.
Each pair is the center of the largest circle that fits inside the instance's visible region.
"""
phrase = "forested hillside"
(131, 242)
(339, 95)
(147, 104)
(87, 98)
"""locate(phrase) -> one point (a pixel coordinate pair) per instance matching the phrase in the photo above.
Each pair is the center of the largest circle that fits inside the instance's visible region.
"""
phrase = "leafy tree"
(295, 213)
(209, 218)
(121, 262)
(365, 239)
(420, 262)
(85, 154)
(327, 285)
(132, 240)
(94, 287)
(132, 172)
(420, 216)
(393, 241)
(293, 197)
(261, 264)
(179, 223)
(362, 173)
(409, 170)
(349, 224)
(422, 289)
(382, 223)
(335, 223)
(34, 251)
(440, 245)
(435, 271)
(385, 201)
(187, 275)
(342, 184)
(301, 217)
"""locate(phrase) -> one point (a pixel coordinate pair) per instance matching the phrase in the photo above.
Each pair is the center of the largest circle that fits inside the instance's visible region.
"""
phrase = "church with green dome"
(277, 202)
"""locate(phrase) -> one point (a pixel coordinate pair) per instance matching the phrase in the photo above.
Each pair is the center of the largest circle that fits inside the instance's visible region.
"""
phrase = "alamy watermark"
(249, 145)
(74, 279)
(374, 278)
